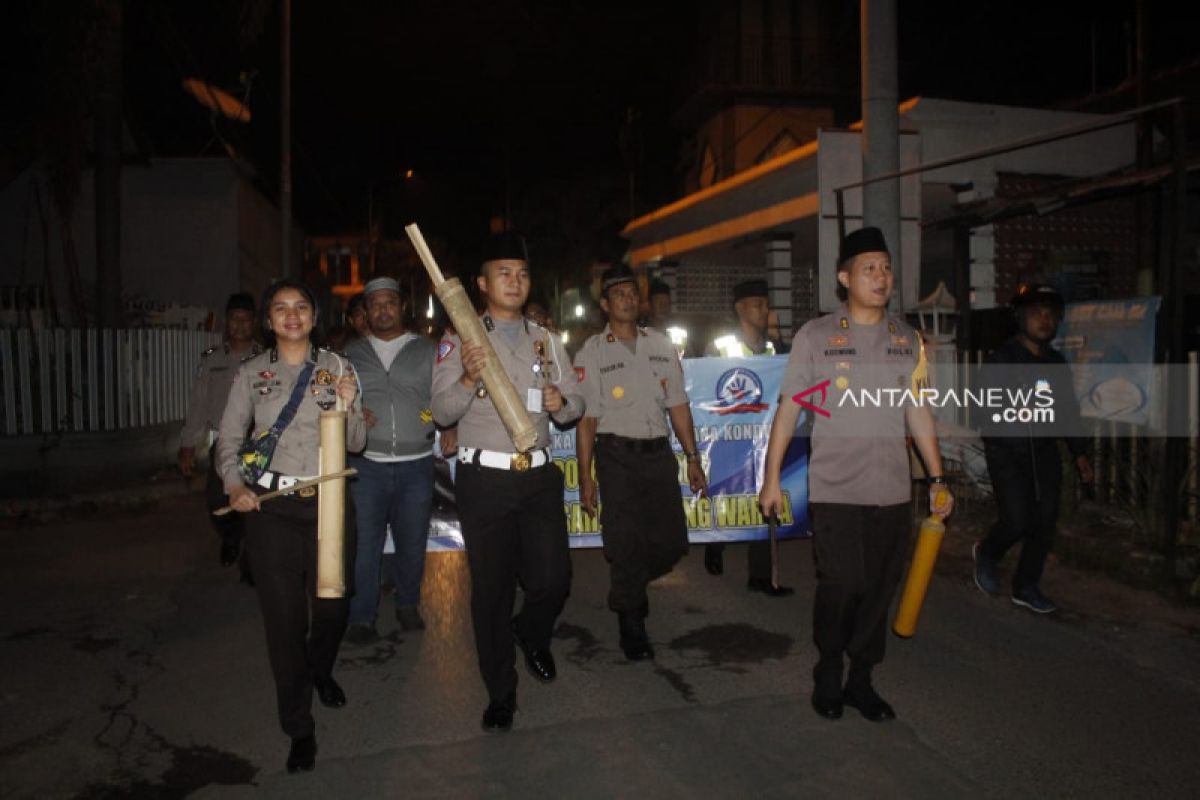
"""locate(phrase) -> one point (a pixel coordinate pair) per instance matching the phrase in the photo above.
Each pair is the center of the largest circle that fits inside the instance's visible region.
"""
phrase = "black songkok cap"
(614, 275)
(658, 287)
(863, 240)
(750, 289)
(239, 301)
(504, 246)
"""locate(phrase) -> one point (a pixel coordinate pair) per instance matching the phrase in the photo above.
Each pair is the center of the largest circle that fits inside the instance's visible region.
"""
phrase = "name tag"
(533, 399)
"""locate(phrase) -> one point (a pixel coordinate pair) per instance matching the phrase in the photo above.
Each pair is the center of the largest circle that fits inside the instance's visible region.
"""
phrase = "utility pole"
(285, 146)
(881, 129)
(108, 128)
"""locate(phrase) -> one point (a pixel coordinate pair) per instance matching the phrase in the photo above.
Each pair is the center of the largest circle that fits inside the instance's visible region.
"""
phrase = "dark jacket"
(1014, 370)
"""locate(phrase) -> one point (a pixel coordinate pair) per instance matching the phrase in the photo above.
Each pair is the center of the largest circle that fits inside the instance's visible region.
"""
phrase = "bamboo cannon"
(912, 599)
(462, 313)
(331, 507)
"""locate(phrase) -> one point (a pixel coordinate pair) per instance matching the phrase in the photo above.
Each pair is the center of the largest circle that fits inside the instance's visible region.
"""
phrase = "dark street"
(135, 667)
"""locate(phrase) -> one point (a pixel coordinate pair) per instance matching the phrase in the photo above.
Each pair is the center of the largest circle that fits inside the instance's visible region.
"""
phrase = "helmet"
(1029, 294)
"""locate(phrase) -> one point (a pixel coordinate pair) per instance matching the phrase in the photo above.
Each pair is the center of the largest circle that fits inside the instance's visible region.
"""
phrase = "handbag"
(254, 456)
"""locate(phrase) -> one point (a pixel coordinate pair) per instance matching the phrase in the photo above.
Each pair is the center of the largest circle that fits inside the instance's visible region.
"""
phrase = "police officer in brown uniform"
(632, 383)
(281, 535)
(752, 307)
(210, 390)
(859, 483)
(510, 504)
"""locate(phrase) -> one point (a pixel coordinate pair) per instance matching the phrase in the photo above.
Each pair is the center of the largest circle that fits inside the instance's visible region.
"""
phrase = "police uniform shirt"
(533, 358)
(859, 454)
(261, 388)
(210, 390)
(628, 391)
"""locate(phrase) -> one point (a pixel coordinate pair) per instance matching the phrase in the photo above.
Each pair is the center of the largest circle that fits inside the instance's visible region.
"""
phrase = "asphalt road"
(133, 665)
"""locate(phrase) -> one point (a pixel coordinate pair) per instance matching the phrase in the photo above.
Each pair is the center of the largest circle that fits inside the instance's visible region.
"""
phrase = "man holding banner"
(632, 382)
(752, 306)
(859, 476)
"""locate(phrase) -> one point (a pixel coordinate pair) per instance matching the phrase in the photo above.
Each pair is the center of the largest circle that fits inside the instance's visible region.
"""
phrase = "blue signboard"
(733, 401)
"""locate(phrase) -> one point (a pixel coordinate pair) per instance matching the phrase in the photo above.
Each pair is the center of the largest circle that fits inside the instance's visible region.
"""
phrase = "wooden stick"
(295, 487)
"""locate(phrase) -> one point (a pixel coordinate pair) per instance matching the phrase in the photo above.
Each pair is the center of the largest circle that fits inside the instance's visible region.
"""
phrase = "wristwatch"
(937, 479)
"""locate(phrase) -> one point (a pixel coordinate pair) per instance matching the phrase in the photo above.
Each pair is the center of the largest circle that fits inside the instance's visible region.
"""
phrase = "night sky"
(522, 102)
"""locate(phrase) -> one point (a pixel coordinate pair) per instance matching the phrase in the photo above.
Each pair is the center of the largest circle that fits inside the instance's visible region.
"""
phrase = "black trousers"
(758, 557)
(514, 528)
(641, 516)
(303, 632)
(859, 553)
(230, 527)
(1027, 484)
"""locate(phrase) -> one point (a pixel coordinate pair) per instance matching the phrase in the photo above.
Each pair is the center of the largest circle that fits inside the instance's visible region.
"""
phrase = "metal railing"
(70, 381)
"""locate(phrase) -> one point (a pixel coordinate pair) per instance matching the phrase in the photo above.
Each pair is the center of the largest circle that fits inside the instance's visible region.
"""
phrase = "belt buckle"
(307, 491)
(520, 462)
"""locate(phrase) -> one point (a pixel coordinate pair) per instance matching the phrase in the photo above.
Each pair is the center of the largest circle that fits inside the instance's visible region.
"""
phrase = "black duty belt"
(635, 445)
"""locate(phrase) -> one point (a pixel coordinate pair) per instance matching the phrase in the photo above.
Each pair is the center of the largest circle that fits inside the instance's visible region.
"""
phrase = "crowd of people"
(406, 396)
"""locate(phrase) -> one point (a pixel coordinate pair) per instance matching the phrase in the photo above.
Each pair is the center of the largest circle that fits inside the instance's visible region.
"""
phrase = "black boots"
(860, 694)
(634, 641)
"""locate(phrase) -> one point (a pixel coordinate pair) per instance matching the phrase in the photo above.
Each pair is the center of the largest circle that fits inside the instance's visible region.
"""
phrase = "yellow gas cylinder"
(929, 541)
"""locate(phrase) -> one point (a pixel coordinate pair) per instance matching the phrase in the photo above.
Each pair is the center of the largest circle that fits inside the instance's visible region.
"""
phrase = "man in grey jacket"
(395, 473)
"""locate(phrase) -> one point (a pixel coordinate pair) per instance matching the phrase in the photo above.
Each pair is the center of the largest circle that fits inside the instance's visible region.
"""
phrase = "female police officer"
(281, 537)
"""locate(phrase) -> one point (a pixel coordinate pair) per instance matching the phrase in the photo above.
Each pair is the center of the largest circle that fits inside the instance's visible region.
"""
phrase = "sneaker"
(1031, 597)
(361, 633)
(409, 618)
(985, 572)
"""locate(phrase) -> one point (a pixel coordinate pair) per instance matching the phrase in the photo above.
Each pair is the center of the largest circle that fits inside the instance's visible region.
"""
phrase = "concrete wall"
(192, 232)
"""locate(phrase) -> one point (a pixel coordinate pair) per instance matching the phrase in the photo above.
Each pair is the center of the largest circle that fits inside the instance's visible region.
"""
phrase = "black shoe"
(303, 754)
(714, 558)
(765, 586)
(868, 702)
(361, 633)
(409, 618)
(827, 690)
(539, 661)
(329, 693)
(634, 641)
(498, 716)
(231, 550)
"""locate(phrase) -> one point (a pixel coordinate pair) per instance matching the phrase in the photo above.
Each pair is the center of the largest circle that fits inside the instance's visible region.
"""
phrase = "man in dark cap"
(1023, 459)
(859, 481)
(632, 384)
(210, 390)
(749, 338)
(510, 504)
(661, 317)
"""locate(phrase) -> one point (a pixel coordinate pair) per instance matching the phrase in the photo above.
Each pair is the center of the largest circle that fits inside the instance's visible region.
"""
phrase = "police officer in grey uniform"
(859, 483)
(632, 383)
(752, 307)
(303, 631)
(210, 389)
(510, 504)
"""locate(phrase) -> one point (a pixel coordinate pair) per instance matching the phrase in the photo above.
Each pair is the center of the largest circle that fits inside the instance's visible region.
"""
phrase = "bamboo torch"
(470, 329)
(331, 504)
(912, 599)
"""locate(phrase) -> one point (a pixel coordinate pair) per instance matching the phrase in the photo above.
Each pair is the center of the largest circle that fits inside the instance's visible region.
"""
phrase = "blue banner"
(733, 401)
(1110, 346)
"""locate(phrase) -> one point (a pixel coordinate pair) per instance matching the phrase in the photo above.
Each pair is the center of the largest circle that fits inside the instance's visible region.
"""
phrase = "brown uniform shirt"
(859, 453)
(261, 389)
(210, 390)
(628, 392)
(479, 424)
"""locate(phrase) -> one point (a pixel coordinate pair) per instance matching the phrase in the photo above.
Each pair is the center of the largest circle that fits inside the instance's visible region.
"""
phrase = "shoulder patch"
(444, 349)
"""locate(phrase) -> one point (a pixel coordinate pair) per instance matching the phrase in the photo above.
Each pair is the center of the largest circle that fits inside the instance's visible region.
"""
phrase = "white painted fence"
(59, 380)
